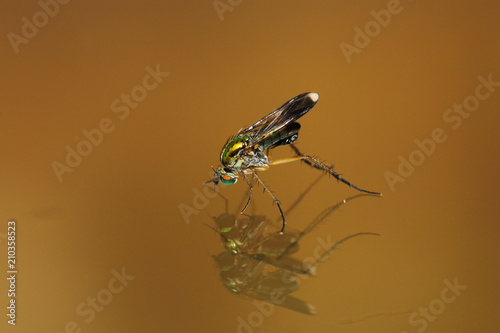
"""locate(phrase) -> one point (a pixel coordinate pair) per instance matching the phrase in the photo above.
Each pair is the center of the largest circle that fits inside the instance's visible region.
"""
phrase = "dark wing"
(282, 116)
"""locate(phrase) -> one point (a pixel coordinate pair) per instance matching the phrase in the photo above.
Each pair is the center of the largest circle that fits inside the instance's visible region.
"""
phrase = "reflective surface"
(114, 112)
(260, 261)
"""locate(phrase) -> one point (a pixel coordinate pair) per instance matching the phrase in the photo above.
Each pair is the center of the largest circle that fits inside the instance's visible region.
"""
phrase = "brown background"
(120, 207)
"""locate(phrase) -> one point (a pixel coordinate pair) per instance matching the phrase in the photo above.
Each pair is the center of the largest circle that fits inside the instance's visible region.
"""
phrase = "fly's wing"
(282, 116)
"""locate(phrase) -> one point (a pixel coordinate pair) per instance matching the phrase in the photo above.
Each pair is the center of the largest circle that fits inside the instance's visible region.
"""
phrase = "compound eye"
(227, 180)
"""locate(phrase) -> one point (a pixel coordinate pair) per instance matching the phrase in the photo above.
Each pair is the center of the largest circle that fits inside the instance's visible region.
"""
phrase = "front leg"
(250, 194)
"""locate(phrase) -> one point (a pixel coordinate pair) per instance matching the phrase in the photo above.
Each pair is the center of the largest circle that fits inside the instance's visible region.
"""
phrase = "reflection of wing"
(282, 116)
(243, 275)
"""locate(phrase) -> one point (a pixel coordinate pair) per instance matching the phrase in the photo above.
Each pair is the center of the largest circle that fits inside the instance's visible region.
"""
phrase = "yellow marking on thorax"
(228, 154)
(231, 149)
(234, 147)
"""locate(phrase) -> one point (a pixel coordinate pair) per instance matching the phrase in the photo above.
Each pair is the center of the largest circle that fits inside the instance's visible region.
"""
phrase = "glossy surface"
(133, 204)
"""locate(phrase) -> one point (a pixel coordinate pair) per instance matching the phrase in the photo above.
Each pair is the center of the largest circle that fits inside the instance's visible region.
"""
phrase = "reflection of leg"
(249, 195)
(315, 163)
(272, 196)
(314, 223)
(335, 246)
(324, 214)
(317, 220)
(292, 265)
(302, 195)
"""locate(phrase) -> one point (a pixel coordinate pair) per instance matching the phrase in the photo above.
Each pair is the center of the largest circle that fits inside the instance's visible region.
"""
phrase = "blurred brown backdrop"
(67, 69)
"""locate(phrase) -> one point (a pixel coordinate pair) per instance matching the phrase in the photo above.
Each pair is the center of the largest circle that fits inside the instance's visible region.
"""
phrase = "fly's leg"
(298, 153)
(329, 170)
(250, 194)
(272, 196)
(321, 166)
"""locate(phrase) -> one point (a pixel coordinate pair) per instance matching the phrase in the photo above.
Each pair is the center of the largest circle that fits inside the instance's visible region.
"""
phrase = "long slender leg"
(272, 196)
(321, 166)
(298, 153)
(250, 194)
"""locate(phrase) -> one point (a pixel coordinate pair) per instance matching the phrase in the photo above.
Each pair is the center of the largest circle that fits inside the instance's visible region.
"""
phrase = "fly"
(246, 152)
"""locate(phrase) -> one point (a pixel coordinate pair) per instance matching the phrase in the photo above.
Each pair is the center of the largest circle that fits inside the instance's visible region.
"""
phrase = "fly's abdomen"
(285, 136)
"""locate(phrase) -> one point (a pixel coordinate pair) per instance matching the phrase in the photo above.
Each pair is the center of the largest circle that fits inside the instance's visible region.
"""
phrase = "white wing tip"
(313, 96)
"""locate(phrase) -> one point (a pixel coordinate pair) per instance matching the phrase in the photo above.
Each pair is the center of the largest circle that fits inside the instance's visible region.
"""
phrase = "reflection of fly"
(245, 153)
(266, 266)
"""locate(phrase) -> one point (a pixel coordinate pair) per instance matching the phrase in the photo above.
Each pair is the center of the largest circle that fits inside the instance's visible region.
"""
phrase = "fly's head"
(225, 176)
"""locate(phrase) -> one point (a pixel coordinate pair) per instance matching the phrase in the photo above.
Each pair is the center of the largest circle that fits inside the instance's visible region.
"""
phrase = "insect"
(247, 151)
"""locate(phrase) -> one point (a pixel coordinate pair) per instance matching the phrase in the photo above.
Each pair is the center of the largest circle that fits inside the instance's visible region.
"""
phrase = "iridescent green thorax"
(230, 151)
